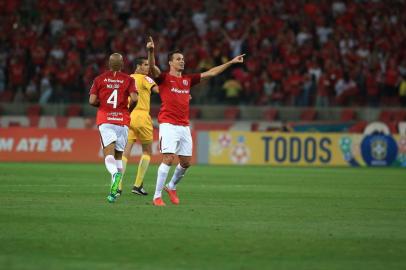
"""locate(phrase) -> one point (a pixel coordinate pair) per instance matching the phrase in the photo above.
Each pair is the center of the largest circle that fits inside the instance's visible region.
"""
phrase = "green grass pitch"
(55, 216)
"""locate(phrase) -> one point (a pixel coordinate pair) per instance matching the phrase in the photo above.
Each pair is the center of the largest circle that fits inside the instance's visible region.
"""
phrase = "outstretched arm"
(217, 70)
(154, 71)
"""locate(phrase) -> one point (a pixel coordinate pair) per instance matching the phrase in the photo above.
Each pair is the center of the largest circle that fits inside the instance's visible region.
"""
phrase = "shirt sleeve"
(148, 82)
(94, 89)
(194, 79)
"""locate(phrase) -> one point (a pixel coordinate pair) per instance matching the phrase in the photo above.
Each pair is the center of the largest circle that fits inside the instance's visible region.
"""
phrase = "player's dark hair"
(138, 61)
(170, 54)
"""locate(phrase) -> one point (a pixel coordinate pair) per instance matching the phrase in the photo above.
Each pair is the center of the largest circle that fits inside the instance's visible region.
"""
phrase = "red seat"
(34, 110)
(393, 127)
(271, 114)
(61, 121)
(74, 110)
(386, 116)
(309, 114)
(6, 96)
(231, 113)
(14, 124)
(399, 116)
(194, 113)
(348, 115)
(222, 125)
(358, 127)
(76, 96)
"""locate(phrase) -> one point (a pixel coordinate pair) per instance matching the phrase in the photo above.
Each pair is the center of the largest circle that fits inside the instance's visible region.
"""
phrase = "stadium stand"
(358, 127)
(348, 114)
(400, 115)
(306, 60)
(271, 114)
(194, 113)
(387, 116)
(308, 114)
(34, 110)
(231, 113)
(73, 110)
(300, 53)
(6, 96)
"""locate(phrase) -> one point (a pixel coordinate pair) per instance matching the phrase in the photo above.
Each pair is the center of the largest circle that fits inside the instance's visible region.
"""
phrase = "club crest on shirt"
(185, 82)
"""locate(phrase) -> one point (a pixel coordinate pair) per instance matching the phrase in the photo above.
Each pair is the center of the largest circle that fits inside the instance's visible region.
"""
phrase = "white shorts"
(175, 139)
(110, 133)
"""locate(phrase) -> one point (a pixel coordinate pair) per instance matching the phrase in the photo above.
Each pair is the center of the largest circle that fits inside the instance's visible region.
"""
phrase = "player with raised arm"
(174, 132)
(141, 124)
(110, 92)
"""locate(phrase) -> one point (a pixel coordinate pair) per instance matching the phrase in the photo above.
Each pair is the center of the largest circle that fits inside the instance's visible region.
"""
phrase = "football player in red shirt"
(175, 138)
(110, 92)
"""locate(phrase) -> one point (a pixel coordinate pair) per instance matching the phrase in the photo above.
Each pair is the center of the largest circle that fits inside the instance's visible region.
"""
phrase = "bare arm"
(217, 70)
(154, 71)
(94, 101)
(133, 101)
(155, 89)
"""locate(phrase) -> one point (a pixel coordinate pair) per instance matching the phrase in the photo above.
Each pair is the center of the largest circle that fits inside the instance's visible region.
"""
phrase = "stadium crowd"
(299, 53)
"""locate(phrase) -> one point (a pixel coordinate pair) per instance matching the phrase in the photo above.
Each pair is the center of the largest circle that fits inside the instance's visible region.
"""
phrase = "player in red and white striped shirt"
(174, 132)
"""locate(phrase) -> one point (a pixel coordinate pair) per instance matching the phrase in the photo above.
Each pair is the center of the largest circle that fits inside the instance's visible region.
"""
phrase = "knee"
(147, 150)
(185, 164)
(168, 159)
(147, 153)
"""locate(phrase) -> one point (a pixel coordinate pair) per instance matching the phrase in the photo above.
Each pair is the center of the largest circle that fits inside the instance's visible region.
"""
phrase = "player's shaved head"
(116, 62)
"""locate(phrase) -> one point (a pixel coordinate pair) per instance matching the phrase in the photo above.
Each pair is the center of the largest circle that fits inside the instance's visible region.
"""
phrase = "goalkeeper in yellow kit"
(141, 124)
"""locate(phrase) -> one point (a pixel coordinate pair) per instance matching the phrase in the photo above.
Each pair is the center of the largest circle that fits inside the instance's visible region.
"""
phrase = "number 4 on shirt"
(113, 98)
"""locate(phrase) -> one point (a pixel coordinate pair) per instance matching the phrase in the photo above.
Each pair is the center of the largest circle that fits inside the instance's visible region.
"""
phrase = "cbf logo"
(378, 148)
(185, 82)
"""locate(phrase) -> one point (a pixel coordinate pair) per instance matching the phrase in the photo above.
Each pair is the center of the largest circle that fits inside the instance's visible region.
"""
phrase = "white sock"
(160, 180)
(111, 164)
(119, 164)
(177, 176)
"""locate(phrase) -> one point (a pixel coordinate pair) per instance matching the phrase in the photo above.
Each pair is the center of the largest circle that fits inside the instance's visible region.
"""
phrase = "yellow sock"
(142, 168)
(120, 187)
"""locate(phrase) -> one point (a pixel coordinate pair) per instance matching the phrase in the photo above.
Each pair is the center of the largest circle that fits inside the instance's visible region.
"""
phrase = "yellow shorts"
(140, 127)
